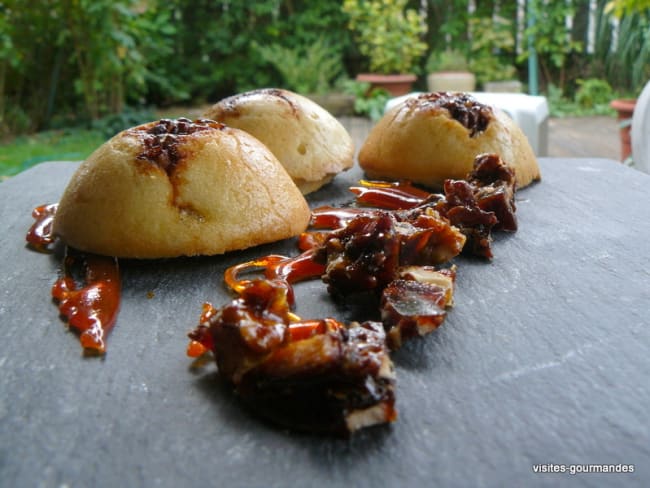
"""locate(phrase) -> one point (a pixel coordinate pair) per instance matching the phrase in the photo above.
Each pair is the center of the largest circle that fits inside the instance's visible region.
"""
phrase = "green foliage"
(217, 44)
(27, 51)
(447, 22)
(562, 106)
(492, 40)
(387, 33)
(81, 57)
(110, 125)
(628, 58)
(368, 102)
(163, 82)
(71, 62)
(103, 35)
(447, 60)
(14, 120)
(65, 61)
(212, 52)
(8, 52)
(623, 7)
(554, 45)
(551, 37)
(312, 68)
(593, 92)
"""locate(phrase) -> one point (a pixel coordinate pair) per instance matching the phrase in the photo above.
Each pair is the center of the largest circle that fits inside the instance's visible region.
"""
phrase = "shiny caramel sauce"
(311, 240)
(399, 195)
(275, 267)
(327, 217)
(90, 305)
(40, 236)
(90, 308)
(200, 338)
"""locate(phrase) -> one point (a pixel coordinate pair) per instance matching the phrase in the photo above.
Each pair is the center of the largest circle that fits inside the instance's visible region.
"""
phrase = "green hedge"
(72, 62)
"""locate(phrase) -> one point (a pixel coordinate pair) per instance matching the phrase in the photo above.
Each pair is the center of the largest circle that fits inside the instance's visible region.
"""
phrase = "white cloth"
(640, 131)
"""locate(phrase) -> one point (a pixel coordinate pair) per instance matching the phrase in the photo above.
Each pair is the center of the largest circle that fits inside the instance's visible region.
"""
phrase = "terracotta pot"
(625, 110)
(396, 85)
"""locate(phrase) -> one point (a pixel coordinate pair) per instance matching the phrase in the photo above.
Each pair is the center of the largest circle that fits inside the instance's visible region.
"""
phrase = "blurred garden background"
(75, 72)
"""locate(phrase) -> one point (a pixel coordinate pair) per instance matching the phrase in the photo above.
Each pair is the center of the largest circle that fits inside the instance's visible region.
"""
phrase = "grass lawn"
(73, 144)
(22, 152)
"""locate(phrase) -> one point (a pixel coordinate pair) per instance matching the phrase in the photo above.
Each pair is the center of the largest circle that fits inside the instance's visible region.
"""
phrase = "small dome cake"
(176, 187)
(309, 142)
(435, 136)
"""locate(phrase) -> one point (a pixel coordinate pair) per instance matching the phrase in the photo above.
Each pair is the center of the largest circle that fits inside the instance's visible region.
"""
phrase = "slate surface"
(544, 359)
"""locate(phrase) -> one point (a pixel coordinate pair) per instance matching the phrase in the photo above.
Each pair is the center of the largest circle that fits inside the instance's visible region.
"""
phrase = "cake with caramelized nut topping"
(437, 136)
(177, 187)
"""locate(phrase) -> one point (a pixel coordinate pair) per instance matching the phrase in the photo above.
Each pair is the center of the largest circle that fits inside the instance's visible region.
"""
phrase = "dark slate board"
(544, 359)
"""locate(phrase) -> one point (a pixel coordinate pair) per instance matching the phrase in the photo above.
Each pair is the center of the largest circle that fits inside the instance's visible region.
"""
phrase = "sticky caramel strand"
(161, 140)
(40, 236)
(275, 267)
(327, 217)
(90, 304)
(396, 195)
(90, 308)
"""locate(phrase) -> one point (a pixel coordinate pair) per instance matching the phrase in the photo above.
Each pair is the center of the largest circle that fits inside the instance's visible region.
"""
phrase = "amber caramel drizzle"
(327, 217)
(393, 196)
(40, 236)
(201, 339)
(291, 270)
(92, 308)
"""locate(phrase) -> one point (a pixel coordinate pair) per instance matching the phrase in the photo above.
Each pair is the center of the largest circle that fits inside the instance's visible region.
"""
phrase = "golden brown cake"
(310, 143)
(436, 136)
(176, 187)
